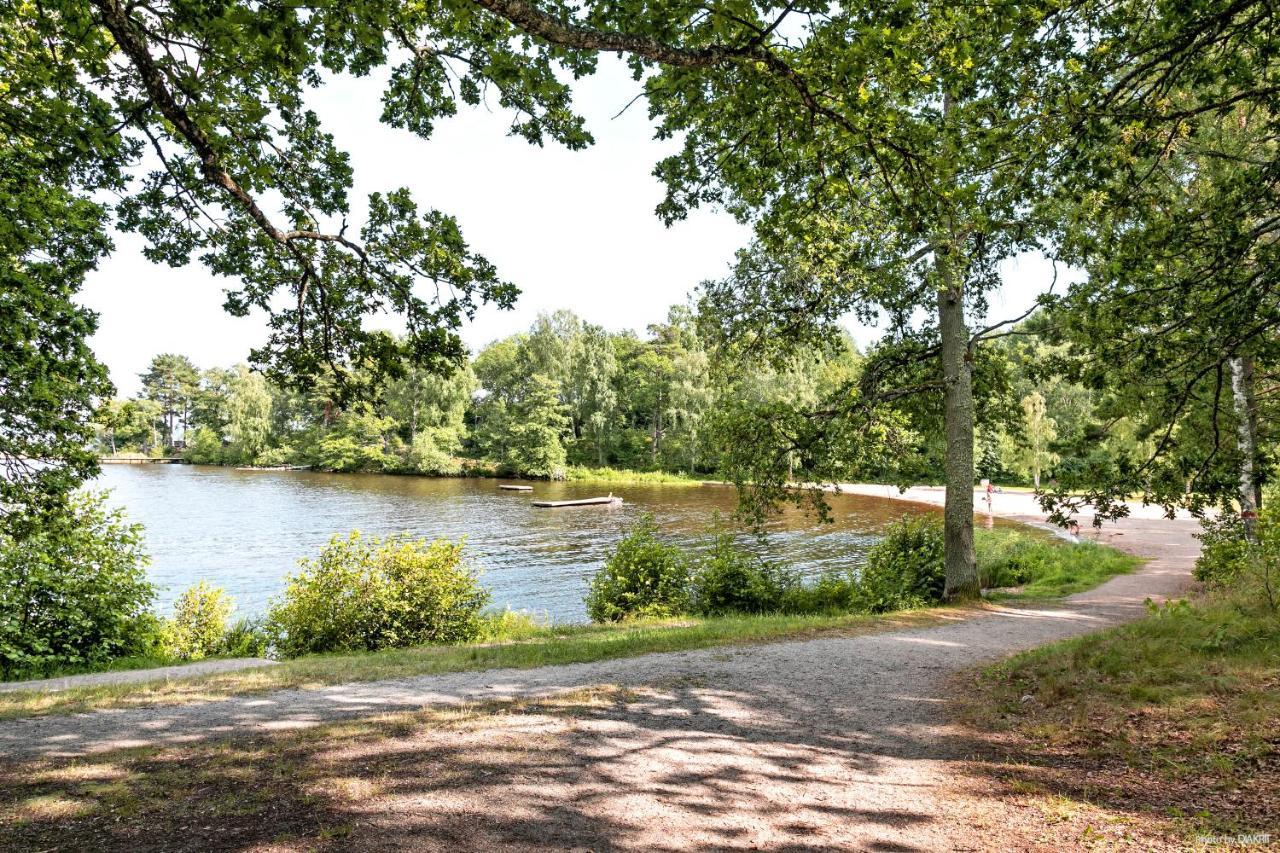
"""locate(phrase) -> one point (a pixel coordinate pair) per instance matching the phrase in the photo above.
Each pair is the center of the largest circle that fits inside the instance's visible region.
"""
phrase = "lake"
(245, 530)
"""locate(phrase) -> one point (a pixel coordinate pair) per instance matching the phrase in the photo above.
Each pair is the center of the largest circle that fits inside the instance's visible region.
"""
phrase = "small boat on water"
(580, 502)
(512, 487)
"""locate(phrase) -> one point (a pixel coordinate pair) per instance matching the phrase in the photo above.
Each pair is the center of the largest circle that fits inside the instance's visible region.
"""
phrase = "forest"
(571, 395)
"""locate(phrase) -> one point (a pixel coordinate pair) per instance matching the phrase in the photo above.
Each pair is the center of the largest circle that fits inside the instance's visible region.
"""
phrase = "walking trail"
(830, 743)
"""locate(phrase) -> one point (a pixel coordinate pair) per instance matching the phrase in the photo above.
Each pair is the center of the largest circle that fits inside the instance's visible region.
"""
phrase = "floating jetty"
(512, 487)
(580, 502)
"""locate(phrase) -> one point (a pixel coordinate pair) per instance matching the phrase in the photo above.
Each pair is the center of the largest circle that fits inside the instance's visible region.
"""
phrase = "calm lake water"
(245, 530)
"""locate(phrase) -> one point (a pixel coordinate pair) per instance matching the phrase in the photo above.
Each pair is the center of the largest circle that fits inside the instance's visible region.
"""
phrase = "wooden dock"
(512, 487)
(580, 502)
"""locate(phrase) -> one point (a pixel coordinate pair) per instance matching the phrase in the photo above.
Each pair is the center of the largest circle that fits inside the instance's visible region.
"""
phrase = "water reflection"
(244, 530)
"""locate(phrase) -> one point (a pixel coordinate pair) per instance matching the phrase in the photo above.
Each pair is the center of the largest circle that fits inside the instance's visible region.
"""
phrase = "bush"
(204, 447)
(275, 456)
(431, 452)
(905, 569)
(75, 594)
(832, 592)
(642, 576)
(247, 638)
(199, 624)
(729, 579)
(1224, 550)
(369, 594)
(1228, 560)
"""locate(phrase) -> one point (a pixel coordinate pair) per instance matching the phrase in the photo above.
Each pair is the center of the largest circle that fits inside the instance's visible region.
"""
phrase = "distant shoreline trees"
(569, 393)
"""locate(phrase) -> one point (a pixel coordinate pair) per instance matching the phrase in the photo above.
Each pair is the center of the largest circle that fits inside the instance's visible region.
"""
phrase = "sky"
(572, 229)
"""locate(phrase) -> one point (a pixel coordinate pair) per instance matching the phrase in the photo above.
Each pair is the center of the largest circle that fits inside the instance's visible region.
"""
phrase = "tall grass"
(1045, 568)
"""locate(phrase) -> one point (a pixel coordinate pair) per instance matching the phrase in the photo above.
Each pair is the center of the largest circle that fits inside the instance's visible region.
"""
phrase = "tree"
(690, 397)
(110, 417)
(534, 446)
(171, 382)
(1178, 235)
(888, 155)
(210, 404)
(248, 415)
(244, 177)
(57, 151)
(592, 372)
(1038, 432)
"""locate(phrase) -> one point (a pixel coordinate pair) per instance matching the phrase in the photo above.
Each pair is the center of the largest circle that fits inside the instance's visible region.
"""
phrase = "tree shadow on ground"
(674, 767)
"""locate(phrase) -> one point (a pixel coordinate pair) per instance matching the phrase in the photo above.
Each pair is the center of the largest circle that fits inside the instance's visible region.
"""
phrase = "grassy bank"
(1163, 730)
(582, 474)
(1016, 564)
(512, 640)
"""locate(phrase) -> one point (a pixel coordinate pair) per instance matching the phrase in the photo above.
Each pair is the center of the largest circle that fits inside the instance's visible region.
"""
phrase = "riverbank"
(467, 469)
(515, 641)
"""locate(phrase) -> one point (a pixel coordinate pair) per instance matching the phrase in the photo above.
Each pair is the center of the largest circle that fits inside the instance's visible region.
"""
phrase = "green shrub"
(832, 591)
(432, 452)
(275, 456)
(369, 594)
(199, 624)
(1229, 560)
(729, 579)
(75, 594)
(642, 576)
(204, 447)
(1224, 550)
(905, 569)
(247, 638)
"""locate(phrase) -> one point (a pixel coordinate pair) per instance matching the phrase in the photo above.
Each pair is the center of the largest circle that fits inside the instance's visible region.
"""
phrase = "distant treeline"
(565, 393)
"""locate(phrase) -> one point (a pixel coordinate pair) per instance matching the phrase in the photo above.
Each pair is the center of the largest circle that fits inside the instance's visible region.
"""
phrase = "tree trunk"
(957, 375)
(1241, 382)
(657, 435)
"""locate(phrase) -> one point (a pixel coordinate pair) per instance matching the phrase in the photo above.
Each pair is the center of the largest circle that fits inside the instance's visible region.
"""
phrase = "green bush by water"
(199, 624)
(74, 595)
(905, 569)
(365, 594)
(647, 576)
(642, 576)
(729, 579)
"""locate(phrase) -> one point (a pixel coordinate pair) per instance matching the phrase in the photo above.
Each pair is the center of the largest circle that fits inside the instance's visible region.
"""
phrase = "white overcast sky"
(572, 229)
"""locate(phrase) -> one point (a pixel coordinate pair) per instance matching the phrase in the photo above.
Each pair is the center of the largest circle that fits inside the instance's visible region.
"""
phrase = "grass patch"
(1039, 566)
(533, 645)
(583, 474)
(1172, 719)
